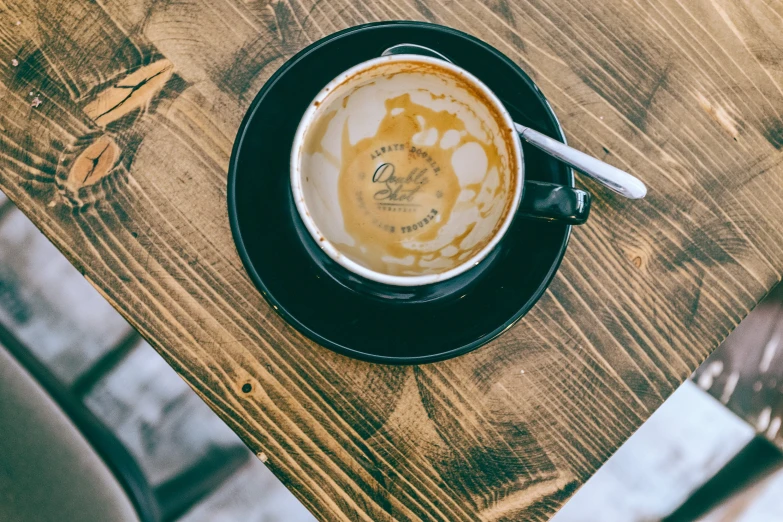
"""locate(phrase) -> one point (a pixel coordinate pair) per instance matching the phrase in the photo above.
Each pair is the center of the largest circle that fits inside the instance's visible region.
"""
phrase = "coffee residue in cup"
(425, 182)
(398, 188)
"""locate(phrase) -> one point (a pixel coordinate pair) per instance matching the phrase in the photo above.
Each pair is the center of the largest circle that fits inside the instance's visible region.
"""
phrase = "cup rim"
(328, 247)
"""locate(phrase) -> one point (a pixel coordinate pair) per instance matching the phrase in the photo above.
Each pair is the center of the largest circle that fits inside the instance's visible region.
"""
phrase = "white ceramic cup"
(407, 170)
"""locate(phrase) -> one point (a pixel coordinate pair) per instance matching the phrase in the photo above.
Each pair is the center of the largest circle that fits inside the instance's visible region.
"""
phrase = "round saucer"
(292, 274)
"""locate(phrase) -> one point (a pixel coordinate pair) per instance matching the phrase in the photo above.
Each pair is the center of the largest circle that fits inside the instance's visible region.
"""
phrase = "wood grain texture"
(686, 94)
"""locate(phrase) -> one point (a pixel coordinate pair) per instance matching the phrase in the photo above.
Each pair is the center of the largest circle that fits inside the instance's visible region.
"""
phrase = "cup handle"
(554, 202)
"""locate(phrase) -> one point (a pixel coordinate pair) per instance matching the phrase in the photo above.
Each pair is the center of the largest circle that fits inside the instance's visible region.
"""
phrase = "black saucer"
(269, 234)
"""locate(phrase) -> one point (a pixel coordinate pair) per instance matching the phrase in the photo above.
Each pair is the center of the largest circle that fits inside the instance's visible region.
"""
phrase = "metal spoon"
(609, 176)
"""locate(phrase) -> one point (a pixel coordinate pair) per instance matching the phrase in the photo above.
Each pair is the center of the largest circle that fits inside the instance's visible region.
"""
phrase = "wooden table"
(116, 125)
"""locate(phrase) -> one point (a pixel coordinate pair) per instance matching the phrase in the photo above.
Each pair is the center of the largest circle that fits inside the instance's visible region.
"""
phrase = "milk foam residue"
(411, 195)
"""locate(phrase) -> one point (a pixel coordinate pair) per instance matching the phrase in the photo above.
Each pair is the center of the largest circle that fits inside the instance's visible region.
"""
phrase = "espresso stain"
(399, 188)
(316, 134)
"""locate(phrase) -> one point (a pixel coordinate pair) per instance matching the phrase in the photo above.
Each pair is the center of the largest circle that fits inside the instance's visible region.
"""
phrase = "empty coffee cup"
(406, 170)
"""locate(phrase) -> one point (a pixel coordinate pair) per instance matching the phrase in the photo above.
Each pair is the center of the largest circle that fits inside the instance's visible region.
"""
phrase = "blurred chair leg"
(5, 207)
(87, 381)
(757, 460)
(178, 494)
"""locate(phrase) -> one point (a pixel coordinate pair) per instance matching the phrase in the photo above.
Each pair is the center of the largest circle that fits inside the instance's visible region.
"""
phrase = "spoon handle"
(614, 178)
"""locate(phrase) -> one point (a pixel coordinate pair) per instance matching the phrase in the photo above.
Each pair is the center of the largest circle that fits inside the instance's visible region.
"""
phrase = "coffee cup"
(407, 171)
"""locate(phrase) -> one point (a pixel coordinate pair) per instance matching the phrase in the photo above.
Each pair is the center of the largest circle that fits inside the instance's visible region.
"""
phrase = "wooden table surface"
(117, 119)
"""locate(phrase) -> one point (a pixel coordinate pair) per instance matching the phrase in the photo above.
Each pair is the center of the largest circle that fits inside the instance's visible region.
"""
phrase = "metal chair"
(61, 463)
